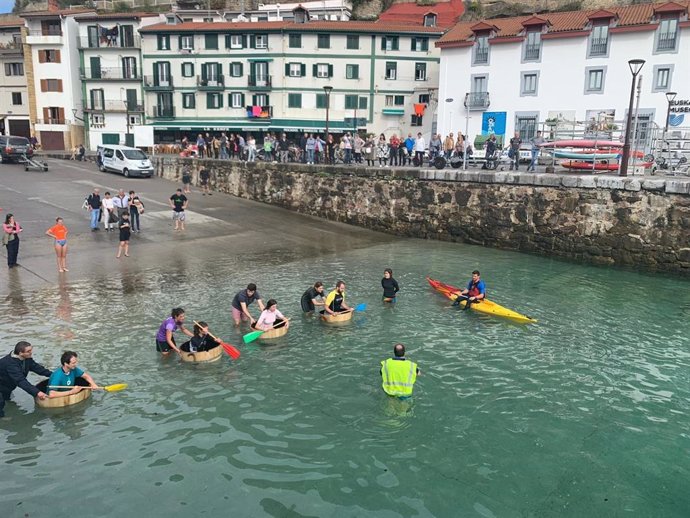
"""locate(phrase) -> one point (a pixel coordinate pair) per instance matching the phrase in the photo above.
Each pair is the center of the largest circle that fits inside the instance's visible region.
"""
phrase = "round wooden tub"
(203, 356)
(338, 318)
(63, 401)
(276, 332)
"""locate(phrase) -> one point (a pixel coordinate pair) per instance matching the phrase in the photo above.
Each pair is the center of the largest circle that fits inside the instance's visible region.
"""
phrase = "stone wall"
(635, 221)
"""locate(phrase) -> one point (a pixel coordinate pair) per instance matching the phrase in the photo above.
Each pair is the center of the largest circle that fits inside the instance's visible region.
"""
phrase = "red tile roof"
(447, 13)
(60, 12)
(116, 16)
(11, 22)
(312, 26)
(640, 15)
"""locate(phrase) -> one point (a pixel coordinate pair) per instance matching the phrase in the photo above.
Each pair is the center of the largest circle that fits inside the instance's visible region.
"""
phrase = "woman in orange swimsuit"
(59, 233)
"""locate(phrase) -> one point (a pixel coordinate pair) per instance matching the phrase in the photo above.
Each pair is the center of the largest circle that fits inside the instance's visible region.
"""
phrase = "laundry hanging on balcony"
(258, 112)
(419, 109)
(109, 36)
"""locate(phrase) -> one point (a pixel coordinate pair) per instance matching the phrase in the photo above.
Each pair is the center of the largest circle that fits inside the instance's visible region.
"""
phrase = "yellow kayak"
(484, 306)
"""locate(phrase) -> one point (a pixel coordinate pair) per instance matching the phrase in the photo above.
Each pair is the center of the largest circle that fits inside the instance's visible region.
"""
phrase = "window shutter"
(155, 73)
(383, 43)
(302, 69)
(315, 70)
(412, 43)
(227, 41)
(59, 85)
(209, 103)
(123, 64)
(57, 57)
(46, 114)
(425, 44)
(252, 41)
(287, 69)
(61, 115)
(179, 42)
(330, 70)
(395, 43)
(204, 73)
(242, 99)
(220, 71)
(44, 85)
(91, 99)
(41, 56)
(220, 100)
(241, 70)
(244, 41)
(268, 101)
(254, 100)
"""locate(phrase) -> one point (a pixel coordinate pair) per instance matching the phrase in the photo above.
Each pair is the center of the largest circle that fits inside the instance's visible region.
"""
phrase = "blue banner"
(494, 123)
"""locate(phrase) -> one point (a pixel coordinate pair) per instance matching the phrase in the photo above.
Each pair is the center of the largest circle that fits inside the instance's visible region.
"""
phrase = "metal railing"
(260, 81)
(57, 31)
(163, 112)
(160, 83)
(210, 83)
(532, 51)
(481, 55)
(265, 112)
(11, 47)
(115, 42)
(477, 100)
(598, 46)
(113, 106)
(109, 73)
(667, 41)
(55, 120)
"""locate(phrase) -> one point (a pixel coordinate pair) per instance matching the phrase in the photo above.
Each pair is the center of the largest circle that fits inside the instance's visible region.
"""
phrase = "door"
(52, 141)
(93, 37)
(20, 128)
(261, 73)
(132, 101)
(108, 152)
(129, 68)
(163, 73)
(95, 67)
(127, 36)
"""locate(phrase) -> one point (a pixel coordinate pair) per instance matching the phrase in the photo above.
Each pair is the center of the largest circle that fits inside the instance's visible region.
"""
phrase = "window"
(261, 100)
(323, 41)
(14, 69)
(51, 28)
(171, 19)
(532, 46)
(594, 78)
(236, 100)
(163, 42)
(422, 99)
(323, 70)
(481, 51)
(417, 120)
(49, 56)
(294, 100)
(96, 99)
(420, 44)
(389, 43)
(211, 74)
(295, 69)
(391, 70)
(51, 85)
(352, 42)
(351, 71)
(208, 20)
(211, 41)
(97, 120)
(295, 41)
(667, 35)
(529, 82)
(187, 69)
(420, 71)
(187, 42)
(479, 83)
(526, 125)
(188, 101)
(599, 41)
(214, 101)
(129, 68)
(662, 78)
(430, 20)
(16, 98)
(321, 101)
(235, 69)
(363, 103)
(234, 41)
(261, 41)
(395, 100)
(351, 102)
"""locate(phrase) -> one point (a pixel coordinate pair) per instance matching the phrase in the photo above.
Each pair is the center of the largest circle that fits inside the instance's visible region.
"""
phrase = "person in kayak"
(242, 301)
(309, 297)
(389, 285)
(335, 301)
(398, 374)
(475, 291)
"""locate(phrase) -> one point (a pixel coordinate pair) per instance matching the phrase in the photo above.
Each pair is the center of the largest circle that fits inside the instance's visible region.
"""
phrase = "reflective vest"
(398, 377)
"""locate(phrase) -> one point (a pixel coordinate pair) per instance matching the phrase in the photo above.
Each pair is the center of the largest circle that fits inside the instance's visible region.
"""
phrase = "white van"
(128, 161)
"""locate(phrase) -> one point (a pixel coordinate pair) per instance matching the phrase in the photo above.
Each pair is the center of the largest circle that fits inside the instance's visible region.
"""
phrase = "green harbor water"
(583, 415)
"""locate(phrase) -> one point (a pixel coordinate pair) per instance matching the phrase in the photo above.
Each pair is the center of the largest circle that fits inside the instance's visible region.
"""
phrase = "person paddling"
(475, 291)
(309, 297)
(66, 376)
(165, 341)
(389, 285)
(201, 341)
(335, 301)
(271, 317)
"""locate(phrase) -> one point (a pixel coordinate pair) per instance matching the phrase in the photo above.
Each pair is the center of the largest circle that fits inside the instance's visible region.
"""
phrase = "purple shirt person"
(165, 341)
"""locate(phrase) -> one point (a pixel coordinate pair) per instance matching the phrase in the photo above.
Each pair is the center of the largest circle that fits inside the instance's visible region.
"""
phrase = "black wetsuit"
(307, 297)
(390, 287)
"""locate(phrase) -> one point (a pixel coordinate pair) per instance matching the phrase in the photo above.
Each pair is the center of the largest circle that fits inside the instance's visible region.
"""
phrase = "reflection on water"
(580, 415)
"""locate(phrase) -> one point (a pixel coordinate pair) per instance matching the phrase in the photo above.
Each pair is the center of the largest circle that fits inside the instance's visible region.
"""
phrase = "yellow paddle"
(117, 387)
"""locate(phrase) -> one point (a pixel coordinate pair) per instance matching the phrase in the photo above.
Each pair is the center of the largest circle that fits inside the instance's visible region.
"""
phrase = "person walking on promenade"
(536, 142)
(200, 146)
(514, 151)
(209, 145)
(10, 238)
(303, 147)
(204, 177)
(382, 150)
(268, 148)
(370, 150)
(125, 233)
(319, 147)
(179, 203)
(398, 374)
(283, 149)
(357, 145)
(490, 152)
(13, 371)
(448, 146)
(136, 208)
(460, 142)
(330, 150)
(108, 211)
(241, 302)
(347, 143)
(409, 146)
(165, 341)
(121, 203)
(215, 143)
(393, 145)
(419, 149)
(311, 147)
(435, 147)
(251, 148)
(241, 146)
(223, 146)
(94, 203)
(59, 233)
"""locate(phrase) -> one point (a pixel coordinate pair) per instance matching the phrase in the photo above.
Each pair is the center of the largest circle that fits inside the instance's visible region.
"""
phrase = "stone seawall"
(634, 221)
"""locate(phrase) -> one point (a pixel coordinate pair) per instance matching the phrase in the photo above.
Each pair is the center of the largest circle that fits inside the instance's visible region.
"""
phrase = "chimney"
(53, 5)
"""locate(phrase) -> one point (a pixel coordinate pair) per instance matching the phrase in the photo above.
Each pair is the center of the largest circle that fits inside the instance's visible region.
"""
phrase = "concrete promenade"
(217, 226)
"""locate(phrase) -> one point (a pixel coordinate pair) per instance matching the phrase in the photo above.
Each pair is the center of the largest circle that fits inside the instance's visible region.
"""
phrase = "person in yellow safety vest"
(399, 374)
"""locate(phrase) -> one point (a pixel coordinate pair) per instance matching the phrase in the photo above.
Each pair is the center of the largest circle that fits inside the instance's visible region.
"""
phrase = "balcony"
(259, 82)
(113, 106)
(110, 74)
(103, 42)
(667, 41)
(212, 84)
(11, 48)
(46, 36)
(532, 52)
(481, 55)
(259, 112)
(598, 46)
(160, 84)
(51, 121)
(163, 112)
(477, 100)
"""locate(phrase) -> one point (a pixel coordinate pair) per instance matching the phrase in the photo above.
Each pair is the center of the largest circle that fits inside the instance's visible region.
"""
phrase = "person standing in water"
(309, 302)
(59, 233)
(389, 285)
(398, 374)
(165, 341)
(125, 233)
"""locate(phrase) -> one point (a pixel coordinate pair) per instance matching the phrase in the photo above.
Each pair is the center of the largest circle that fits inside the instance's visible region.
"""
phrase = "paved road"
(217, 225)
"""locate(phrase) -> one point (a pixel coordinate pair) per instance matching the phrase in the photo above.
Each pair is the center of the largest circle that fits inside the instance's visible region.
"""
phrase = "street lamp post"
(327, 90)
(450, 113)
(635, 67)
(670, 97)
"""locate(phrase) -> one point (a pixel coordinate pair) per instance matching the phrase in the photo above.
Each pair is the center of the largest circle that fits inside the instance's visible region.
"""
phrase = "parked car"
(12, 149)
(128, 161)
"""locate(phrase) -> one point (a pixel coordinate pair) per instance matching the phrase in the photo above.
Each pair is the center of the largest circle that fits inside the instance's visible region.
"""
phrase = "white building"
(110, 68)
(270, 76)
(199, 11)
(516, 73)
(52, 73)
(14, 98)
